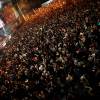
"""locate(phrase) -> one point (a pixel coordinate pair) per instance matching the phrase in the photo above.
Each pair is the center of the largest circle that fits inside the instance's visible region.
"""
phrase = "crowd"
(55, 60)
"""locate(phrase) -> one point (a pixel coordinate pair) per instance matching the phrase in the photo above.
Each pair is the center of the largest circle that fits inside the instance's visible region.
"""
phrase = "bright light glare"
(0, 4)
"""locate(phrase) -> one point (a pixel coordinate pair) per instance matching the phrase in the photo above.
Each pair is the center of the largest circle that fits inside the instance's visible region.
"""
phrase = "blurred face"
(83, 39)
(59, 49)
(81, 35)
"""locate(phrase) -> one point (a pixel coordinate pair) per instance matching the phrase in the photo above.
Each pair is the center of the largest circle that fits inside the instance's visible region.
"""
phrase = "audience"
(55, 60)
